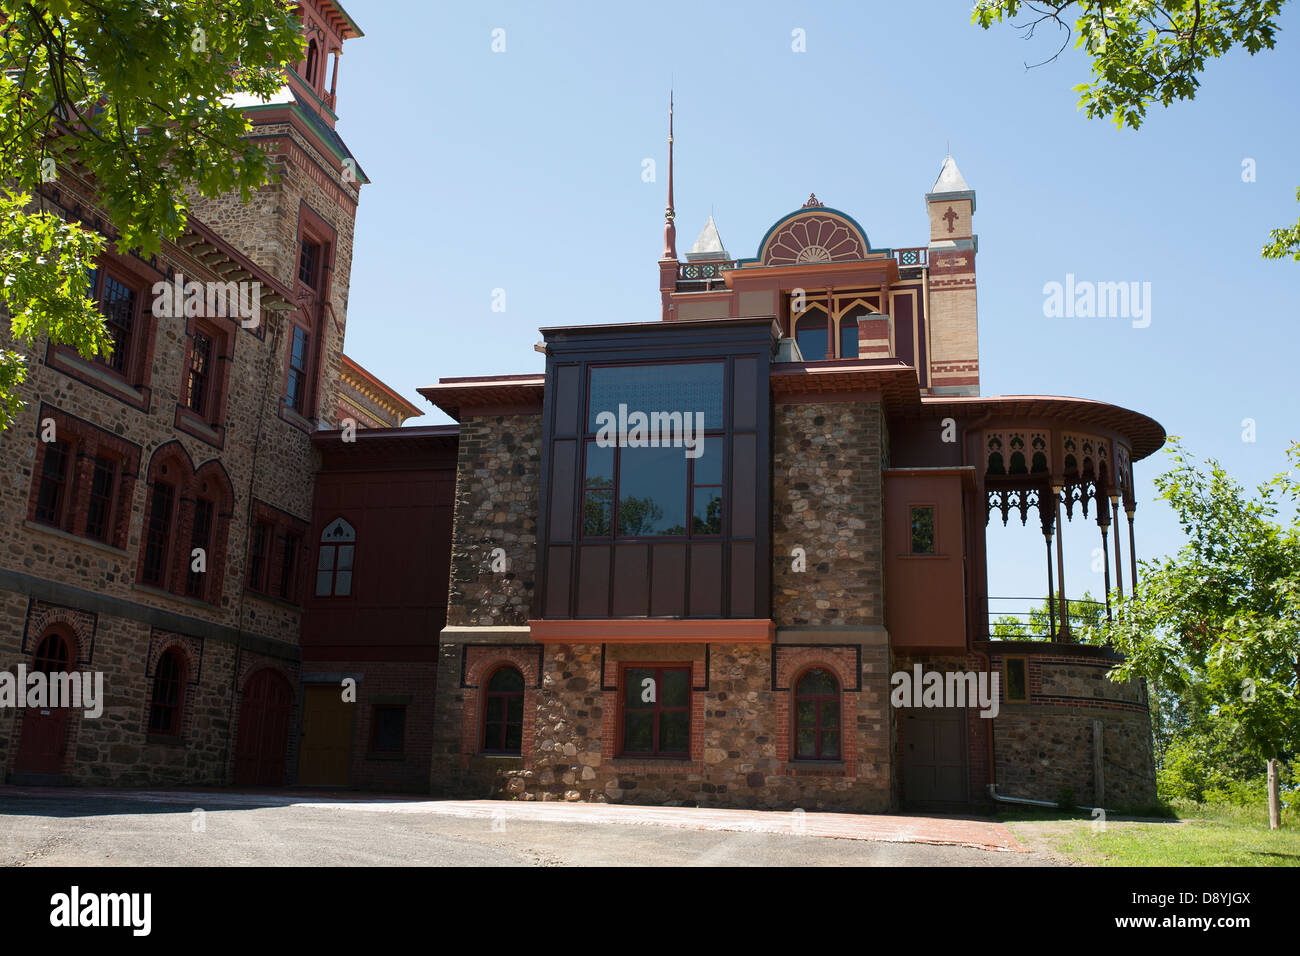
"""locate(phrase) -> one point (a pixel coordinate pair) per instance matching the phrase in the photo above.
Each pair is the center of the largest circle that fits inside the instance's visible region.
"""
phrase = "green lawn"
(1205, 835)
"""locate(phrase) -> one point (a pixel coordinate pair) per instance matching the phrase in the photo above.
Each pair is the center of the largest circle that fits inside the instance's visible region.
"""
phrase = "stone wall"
(826, 499)
(740, 727)
(498, 475)
(1047, 744)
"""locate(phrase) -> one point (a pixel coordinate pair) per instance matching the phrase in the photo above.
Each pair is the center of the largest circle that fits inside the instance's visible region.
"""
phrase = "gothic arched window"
(503, 712)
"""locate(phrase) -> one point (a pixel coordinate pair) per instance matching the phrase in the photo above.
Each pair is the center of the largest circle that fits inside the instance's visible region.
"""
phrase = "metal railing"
(1042, 622)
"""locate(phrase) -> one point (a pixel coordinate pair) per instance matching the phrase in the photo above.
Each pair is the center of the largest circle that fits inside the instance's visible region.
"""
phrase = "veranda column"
(1132, 550)
(1103, 522)
(1064, 633)
(1119, 564)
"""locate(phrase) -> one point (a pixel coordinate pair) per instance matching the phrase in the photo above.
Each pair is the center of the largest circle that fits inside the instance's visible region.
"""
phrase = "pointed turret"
(954, 328)
(708, 245)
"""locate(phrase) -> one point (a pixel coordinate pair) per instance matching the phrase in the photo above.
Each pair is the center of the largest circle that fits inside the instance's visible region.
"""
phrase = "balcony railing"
(917, 256)
(1042, 622)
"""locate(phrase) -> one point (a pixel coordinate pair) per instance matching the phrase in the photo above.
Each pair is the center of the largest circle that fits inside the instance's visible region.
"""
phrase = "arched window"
(334, 564)
(817, 716)
(503, 712)
(168, 687)
(313, 62)
(52, 655)
(810, 331)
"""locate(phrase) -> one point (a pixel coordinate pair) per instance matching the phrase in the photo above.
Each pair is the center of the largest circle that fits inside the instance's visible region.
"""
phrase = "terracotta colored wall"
(923, 593)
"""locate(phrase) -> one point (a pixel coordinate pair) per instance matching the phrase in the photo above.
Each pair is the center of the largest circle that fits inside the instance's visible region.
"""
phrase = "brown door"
(934, 755)
(326, 737)
(44, 738)
(263, 730)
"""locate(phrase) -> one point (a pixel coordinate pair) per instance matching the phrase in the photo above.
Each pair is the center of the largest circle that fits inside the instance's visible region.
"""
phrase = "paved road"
(81, 828)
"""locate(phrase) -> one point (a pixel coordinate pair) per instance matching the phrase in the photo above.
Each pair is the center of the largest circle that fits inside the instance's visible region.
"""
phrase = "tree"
(1145, 53)
(134, 96)
(1218, 623)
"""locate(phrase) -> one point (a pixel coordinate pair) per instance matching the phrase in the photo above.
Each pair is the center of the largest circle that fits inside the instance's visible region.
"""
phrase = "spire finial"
(670, 229)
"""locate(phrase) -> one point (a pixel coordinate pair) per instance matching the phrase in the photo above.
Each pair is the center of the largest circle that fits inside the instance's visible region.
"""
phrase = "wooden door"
(263, 730)
(44, 738)
(326, 737)
(934, 755)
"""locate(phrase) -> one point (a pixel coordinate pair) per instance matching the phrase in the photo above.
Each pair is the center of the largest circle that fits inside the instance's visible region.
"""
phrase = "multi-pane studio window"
(168, 689)
(290, 543)
(53, 493)
(817, 716)
(257, 556)
(656, 712)
(640, 478)
(503, 712)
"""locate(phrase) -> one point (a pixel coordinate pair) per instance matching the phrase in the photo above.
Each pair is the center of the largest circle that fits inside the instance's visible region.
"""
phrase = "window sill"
(816, 768)
(167, 740)
(191, 423)
(71, 363)
(192, 602)
(924, 557)
(651, 764)
(395, 757)
(295, 419)
(271, 599)
(69, 536)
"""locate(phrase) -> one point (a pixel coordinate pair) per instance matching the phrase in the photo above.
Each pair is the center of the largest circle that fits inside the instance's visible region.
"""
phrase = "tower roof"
(709, 244)
(950, 178)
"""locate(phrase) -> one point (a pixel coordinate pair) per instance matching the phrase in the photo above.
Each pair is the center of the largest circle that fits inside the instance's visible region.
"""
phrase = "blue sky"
(522, 171)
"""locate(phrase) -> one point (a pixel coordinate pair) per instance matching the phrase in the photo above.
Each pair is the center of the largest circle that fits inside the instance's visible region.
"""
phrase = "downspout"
(993, 792)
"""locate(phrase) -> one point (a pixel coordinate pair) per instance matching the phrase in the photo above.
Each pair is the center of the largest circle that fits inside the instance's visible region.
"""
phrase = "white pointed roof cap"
(709, 244)
(951, 183)
(950, 178)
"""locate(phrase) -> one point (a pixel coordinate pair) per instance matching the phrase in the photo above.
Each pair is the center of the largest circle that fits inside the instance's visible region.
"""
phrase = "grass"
(1182, 834)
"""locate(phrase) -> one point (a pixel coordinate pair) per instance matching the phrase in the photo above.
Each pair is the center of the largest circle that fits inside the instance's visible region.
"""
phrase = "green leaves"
(135, 98)
(1218, 623)
(1143, 53)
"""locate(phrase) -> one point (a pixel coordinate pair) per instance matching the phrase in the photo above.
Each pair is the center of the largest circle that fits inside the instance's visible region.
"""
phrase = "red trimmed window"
(817, 716)
(99, 508)
(168, 693)
(52, 495)
(83, 481)
(274, 553)
(200, 538)
(120, 303)
(503, 712)
(334, 562)
(656, 711)
(295, 395)
(157, 534)
(198, 378)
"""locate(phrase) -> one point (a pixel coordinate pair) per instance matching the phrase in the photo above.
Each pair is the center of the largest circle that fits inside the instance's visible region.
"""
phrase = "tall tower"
(668, 262)
(300, 228)
(954, 335)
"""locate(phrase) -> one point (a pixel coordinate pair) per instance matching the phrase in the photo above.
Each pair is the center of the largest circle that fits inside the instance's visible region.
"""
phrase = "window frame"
(588, 438)
(934, 531)
(196, 583)
(489, 696)
(659, 668)
(176, 708)
(64, 483)
(167, 551)
(333, 570)
(375, 711)
(1006, 677)
(818, 727)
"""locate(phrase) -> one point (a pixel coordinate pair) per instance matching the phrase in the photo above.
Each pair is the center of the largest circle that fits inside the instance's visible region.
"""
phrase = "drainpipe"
(993, 792)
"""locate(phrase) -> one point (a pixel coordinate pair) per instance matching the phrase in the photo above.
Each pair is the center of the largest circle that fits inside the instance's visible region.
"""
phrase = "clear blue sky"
(522, 171)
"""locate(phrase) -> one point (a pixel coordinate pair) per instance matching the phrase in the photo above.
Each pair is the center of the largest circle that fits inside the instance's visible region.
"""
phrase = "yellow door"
(326, 737)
